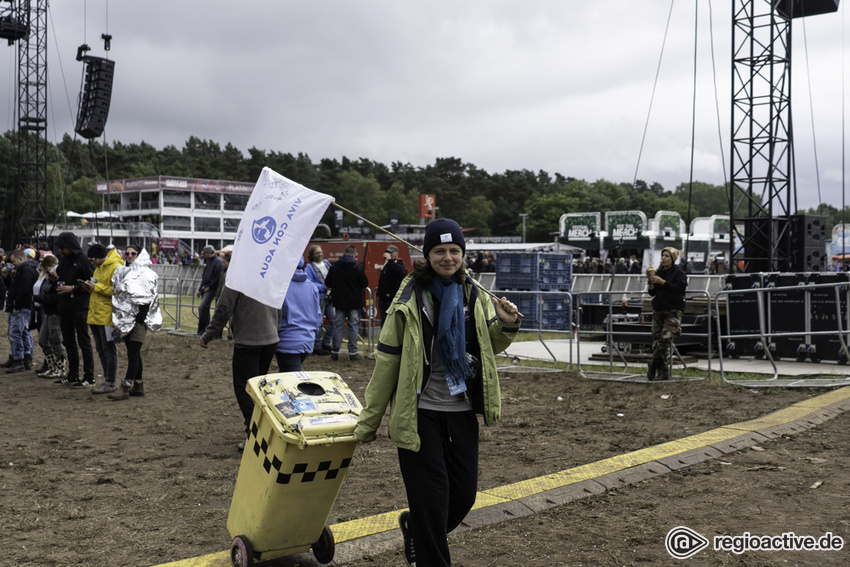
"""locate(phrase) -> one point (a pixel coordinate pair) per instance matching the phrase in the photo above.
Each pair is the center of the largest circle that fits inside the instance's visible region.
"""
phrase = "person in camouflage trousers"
(667, 287)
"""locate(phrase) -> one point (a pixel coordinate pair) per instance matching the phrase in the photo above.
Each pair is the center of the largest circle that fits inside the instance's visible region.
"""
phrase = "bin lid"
(308, 405)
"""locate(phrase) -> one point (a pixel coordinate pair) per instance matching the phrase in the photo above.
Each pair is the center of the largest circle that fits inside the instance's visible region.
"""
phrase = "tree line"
(489, 202)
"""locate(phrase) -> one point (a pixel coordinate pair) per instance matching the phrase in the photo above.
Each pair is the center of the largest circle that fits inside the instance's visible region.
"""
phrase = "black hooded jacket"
(671, 295)
(20, 288)
(75, 266)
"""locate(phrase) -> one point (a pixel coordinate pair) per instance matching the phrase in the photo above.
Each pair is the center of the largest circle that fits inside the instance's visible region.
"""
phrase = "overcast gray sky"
(561, 86)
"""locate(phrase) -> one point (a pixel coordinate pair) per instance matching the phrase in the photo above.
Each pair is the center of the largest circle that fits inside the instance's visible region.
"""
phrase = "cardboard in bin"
(309, 408)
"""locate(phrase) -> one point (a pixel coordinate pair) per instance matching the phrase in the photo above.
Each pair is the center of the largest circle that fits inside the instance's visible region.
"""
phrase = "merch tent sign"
(669, 228)
(626, 229)
(720, 231)
(580, 230)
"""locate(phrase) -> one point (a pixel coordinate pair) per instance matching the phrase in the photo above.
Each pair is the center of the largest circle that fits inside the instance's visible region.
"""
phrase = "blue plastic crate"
(526, 303)
(551, 262)
(518, 282)
(517, 264)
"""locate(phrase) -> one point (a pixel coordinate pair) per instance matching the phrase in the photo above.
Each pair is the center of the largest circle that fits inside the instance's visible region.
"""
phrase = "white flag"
(274, 231)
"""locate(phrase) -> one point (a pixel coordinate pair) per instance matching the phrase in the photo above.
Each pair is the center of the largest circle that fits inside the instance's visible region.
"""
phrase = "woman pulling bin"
(436, 368)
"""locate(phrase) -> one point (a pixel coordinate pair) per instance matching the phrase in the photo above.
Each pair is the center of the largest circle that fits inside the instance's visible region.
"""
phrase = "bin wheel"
(325, 548)
(241, 552)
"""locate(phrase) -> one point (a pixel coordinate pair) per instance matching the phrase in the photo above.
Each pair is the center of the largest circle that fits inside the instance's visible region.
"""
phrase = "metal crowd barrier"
(620, 299)
(532, 304)
(765, 334)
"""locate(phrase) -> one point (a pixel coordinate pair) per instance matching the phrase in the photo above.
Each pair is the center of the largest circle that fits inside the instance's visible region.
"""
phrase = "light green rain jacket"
(397, 378)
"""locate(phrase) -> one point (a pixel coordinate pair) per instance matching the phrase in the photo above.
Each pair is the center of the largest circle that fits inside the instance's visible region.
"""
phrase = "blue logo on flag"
(263, 230)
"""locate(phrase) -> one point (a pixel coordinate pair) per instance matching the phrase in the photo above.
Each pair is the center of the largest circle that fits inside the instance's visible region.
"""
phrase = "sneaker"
(407, 533)
(354, 356)
(84, 383)
(66, 381)
(105, 388)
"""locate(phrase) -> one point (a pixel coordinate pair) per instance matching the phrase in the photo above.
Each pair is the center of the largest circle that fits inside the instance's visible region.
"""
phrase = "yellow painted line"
(354, 529)
(534, 486)
(388, 521)
(827, 399)
(221, 559)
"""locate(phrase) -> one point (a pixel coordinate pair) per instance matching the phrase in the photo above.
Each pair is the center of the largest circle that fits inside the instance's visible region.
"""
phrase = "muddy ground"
(87, 481)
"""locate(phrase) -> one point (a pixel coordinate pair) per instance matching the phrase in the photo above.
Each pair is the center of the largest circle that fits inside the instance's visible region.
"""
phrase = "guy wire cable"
(716, 100)
(811, 108)
(652, 96)
(693, 129)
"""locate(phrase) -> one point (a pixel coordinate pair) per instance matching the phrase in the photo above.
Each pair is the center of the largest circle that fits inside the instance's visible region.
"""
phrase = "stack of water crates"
(537, 271)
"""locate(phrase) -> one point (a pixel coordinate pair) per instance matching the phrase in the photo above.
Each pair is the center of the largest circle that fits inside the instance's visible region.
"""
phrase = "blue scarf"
(451, 332)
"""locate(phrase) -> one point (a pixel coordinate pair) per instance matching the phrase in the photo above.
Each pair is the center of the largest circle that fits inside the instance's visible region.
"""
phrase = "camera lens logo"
(263, 229)
(682, 542)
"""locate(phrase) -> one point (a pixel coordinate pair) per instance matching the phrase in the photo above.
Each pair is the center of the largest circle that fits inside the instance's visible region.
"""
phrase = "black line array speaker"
(808, 230)
(808, 259)
(95, 98)
(803, 8)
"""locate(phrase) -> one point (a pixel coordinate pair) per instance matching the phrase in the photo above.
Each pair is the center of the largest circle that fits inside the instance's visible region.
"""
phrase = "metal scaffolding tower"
(31, 197)
(762, 195)
(762, 192)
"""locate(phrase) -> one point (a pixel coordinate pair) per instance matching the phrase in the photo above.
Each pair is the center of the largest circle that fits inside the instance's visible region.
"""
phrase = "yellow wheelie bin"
(297, 453)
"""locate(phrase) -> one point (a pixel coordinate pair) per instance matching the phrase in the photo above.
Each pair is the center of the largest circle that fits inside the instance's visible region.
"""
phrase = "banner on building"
(427, 206)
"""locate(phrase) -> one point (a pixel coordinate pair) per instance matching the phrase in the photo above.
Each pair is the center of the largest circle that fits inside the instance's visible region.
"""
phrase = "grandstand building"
(175, 213)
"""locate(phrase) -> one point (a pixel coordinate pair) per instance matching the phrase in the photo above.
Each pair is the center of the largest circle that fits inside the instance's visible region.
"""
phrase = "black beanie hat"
(442, 231)
(97, 251)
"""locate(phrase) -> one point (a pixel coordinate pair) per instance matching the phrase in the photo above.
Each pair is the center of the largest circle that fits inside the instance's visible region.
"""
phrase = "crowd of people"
(435, 358)
(70, 296)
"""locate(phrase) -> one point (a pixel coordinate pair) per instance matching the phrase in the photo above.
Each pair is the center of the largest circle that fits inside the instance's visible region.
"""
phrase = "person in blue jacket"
(300, 318)
(316, 269)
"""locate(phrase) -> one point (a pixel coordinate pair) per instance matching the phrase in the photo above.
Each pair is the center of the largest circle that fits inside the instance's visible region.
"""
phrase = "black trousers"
(75, 331)
(441, 481)
(249, 361)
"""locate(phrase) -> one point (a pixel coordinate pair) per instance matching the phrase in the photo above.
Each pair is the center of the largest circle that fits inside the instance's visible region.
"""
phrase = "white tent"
(98, 215)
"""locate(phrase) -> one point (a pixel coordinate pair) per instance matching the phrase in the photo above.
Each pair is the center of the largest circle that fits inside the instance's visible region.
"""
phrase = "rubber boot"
(49, 365)
(44, 366)
(28, 361)
(138, 389)
(59, 370)
(122, 393)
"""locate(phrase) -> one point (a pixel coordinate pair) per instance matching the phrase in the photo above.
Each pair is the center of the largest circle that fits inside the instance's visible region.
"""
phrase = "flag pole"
(403, 241)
